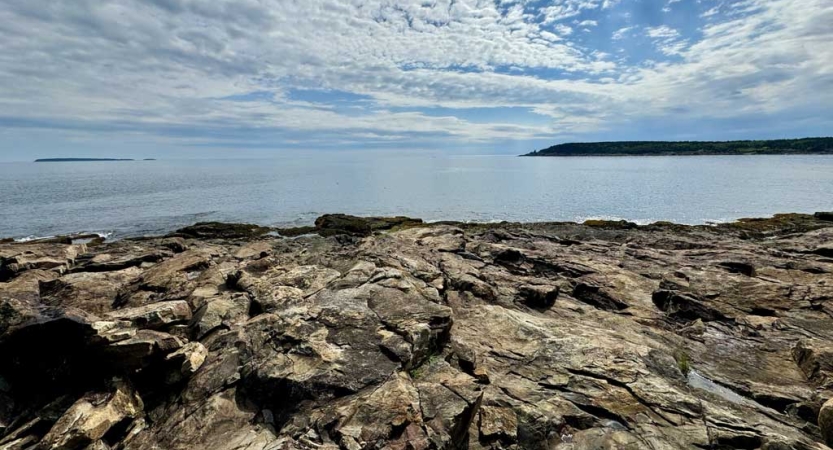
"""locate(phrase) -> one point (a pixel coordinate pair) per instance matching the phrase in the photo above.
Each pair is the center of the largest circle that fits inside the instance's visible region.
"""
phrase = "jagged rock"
(219, 312)
(426, 337)
(739, 267)
(94, 292)
(816, 361)
(685, 307)
(25, 287)
(92, 417)
(498, 423)
(826, 422)
(154, 316)
(372, 419)
(17, 258)
(187, 360)
(172, 276)
(331, 224)
(276, 298)
(14, 312)
(540, 297)
(142, 349)
(598, 297)
(218, 230)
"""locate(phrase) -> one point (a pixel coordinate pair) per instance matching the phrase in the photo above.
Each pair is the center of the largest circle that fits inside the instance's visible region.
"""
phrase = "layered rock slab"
(505, 336)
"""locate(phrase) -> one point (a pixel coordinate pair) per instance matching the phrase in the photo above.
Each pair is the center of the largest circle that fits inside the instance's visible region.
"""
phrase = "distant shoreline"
(87, 159)
(806, 146)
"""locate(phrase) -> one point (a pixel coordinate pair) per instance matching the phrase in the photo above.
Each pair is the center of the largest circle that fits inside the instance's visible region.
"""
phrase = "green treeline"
(770, 147)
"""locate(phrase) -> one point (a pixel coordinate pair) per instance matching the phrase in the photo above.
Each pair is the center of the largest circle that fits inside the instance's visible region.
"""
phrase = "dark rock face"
(825, 215)
(218, 230)
(393, 334)
(332, 224)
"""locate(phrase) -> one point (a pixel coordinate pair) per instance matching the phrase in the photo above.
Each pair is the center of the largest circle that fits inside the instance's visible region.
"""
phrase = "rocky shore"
(394, 334)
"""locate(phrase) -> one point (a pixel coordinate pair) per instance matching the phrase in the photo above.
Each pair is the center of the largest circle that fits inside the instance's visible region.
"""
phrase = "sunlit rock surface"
(396, 334)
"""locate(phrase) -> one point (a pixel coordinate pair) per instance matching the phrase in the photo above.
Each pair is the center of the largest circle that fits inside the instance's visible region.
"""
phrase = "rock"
(187, 360)
(175, 278)
(739, 267)
(685, 307)
(498, 423)
(218, 230)
(816, 361)
(427, 336)
(598, 297)
(275, 298)
(331, 224)
(141, 350)
(824, 250)
(219, 312)
(18, 258)
(826, 422)
(123, 256)
(154, 316)
(25, 287)
(47, 353)
(93, 292)
(828, 216)
(254, 250)
(385, 412)
(539, 297)
(91, 417)
(15, 312)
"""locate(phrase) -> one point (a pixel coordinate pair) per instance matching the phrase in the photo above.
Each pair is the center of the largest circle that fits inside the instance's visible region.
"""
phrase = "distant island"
(806, 146)
(81, 159)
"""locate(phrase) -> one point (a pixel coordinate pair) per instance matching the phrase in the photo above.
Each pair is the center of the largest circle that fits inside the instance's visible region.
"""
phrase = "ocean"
(132, 198)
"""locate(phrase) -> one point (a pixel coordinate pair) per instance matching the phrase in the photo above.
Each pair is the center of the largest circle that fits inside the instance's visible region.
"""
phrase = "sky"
(189, 78)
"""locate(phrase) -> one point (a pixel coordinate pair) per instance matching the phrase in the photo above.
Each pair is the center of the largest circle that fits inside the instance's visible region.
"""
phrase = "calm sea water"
(150, 197)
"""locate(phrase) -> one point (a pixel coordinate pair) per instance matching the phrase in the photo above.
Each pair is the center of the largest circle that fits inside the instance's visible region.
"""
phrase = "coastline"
(603, 332)
(400, 222)
(597, 155)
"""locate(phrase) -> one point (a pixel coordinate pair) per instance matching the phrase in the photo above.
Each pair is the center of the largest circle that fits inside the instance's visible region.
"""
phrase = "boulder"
(92, 417)
(217, 312)
(824, 215)
(186, 361)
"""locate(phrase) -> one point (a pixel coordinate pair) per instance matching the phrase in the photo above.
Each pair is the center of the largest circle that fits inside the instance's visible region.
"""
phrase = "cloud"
(234, 73)
(622, 32)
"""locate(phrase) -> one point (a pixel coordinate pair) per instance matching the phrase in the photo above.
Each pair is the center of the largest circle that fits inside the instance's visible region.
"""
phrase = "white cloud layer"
(222, 72)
